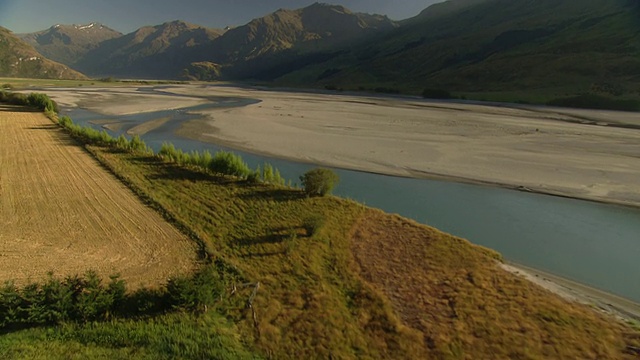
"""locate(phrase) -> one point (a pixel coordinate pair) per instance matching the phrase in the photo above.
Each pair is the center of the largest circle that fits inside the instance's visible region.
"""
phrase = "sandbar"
(593, 155)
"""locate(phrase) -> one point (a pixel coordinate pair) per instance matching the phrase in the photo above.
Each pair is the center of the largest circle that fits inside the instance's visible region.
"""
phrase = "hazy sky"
(128, 15)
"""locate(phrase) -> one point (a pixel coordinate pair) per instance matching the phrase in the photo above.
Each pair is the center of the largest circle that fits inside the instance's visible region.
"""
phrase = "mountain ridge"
(502, 50)
(148, 51)
(67, 43)
(19, 59)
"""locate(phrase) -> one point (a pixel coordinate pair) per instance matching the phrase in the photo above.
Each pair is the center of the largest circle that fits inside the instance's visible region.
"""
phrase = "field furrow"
(61, 211)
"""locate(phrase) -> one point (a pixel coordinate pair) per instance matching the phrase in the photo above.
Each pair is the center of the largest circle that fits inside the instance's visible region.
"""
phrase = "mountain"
(67, 43)
(314, 28)
(180, 49)
(152, 52)
(287, 38)
(497, 46)
(19, 59)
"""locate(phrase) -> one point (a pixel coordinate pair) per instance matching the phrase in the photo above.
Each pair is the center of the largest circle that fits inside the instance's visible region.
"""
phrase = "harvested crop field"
(61, 211)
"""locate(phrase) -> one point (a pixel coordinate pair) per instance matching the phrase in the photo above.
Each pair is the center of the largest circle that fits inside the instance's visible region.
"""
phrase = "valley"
(486, 155)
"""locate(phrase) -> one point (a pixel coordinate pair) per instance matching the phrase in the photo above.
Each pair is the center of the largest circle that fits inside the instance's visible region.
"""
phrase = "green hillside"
(535, 50)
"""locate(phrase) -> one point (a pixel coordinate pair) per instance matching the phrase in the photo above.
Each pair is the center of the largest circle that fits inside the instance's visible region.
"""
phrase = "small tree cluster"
(85, 299)
(13, 98)
(92, 136)
(202, 160)
(42, 102)
(222, 163)
(319, 181)
(197, 292)
(35, 100)
(72, 299)
(228, 163)
(268, 174)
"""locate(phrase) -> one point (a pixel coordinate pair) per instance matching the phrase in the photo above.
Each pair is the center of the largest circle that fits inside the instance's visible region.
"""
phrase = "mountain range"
(522, 48)
(69, 43)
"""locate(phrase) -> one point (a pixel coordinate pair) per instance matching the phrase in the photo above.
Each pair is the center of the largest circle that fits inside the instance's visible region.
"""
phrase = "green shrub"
(228, 163)
(138, 146)
(195, 293)
(16, 99)
(253, 177)
(319, 181)
(41, 102)
(122, 143)
(54, 301)
(168, 152)
(65, 122)
(313, 224)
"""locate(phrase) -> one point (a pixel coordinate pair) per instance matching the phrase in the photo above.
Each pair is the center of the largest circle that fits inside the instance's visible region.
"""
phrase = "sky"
(21, 16)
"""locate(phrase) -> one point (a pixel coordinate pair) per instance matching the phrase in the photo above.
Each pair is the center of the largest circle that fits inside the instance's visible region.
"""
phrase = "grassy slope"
(312, 301)
(537, 49)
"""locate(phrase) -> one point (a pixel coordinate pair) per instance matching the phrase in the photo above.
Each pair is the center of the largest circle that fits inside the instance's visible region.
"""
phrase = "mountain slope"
(158, 51)
(18, 59)
(316, 27)
(499, 45)
(179, 49)
(67, 43)
(291, 38)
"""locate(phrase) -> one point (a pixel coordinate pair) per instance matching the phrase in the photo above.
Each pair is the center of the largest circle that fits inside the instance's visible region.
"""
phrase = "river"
(592, 243)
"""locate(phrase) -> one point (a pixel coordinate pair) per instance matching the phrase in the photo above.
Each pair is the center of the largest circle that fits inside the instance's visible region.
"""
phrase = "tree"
(319, 181)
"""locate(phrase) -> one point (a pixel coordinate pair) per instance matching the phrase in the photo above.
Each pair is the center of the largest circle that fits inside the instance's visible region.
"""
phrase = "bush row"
(222, 163)
(92, 136)
(87, 298)
(35, 100)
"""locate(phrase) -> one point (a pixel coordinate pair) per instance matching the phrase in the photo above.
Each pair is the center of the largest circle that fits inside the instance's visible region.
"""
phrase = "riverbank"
(591, 155)
(607, 303)
(584, 154)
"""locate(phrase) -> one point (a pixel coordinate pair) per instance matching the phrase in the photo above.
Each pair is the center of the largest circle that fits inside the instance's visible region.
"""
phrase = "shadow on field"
(44, 127)
(165, 171)
(267, 193)
(274, 236)
(17, 108)
(60, 138)
(262, 255)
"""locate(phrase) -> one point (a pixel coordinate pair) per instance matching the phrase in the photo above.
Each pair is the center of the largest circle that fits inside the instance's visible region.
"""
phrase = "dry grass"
(466, 306)
(366, 284)
(61, 211)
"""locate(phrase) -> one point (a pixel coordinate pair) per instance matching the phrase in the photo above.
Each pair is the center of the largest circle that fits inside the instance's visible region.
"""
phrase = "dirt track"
(61, 211)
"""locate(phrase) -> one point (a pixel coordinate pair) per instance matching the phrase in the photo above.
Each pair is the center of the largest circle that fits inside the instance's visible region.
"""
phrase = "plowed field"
(61, 211)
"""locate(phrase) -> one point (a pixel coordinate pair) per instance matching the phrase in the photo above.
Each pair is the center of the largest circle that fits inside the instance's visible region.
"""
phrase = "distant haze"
(21, 16)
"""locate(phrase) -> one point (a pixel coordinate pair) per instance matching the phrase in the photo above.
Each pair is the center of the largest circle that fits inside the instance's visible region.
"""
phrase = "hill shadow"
(273, 236)
(273, 194)
(17, 108)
